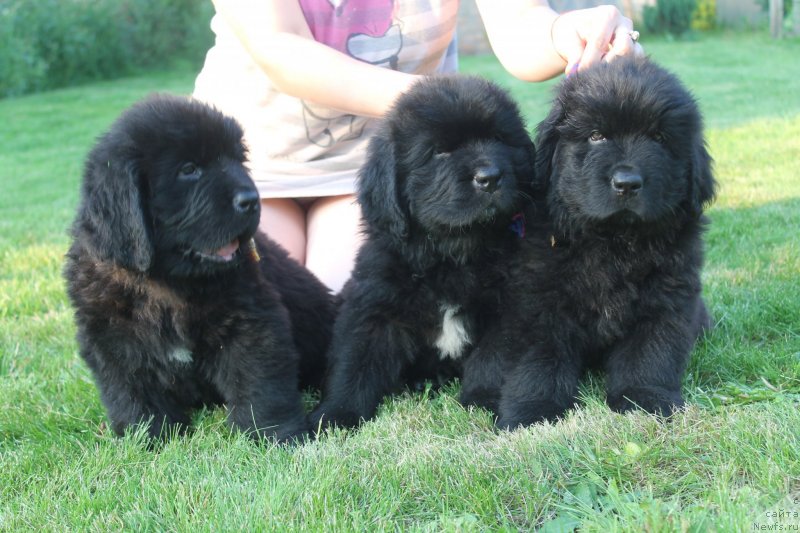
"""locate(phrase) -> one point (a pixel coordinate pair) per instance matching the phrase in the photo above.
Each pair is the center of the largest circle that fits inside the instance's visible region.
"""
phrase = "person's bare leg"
(284, 221)
(333, 236)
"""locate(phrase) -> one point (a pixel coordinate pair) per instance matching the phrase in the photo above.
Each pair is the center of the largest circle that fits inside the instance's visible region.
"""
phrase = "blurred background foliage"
(45, 44)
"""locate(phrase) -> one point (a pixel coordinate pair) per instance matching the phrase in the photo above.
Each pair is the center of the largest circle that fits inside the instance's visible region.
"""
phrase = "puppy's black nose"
(245, 201)
(625, 182)
(486, 178)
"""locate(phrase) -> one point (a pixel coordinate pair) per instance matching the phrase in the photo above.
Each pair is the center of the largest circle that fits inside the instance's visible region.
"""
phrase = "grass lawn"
(730, 462)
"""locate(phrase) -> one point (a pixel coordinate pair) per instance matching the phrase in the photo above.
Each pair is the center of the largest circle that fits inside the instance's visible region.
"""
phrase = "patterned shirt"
(299, 149)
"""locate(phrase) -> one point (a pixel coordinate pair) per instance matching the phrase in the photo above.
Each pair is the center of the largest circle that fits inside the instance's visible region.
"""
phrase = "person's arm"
(276, 35)
(534, 43)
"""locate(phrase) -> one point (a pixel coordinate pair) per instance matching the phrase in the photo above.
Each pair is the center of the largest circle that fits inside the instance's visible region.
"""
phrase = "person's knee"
(284, 221)
(333, 238)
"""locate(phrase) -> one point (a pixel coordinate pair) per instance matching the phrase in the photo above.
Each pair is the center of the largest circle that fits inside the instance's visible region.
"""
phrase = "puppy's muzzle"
(486, 178)
(626, 183)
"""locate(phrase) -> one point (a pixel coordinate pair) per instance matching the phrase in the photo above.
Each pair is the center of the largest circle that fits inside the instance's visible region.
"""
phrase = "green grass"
(425, 463)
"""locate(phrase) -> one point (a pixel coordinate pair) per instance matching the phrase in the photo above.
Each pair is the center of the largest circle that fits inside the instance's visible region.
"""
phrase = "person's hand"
(586, 36)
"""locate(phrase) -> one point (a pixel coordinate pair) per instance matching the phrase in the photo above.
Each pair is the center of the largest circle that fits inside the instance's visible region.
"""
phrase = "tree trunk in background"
(776, 18)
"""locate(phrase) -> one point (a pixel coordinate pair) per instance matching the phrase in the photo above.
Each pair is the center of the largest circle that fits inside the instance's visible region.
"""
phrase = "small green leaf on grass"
(632, 450)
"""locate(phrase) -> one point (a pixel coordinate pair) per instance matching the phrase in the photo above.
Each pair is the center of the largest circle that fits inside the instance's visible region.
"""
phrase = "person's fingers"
(623, 43)
(573, 55)
(596, 29)
(637, 51)
(588, 36)
(567, 42)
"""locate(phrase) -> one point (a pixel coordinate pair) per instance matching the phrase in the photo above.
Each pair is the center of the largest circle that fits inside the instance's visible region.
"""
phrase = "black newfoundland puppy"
(439, 192)
(609, 272)
(179, 301)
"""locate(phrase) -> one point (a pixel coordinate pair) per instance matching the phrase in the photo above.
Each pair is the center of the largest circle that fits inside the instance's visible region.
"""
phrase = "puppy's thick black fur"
(173, 310)
(609, 272)
(438, 192)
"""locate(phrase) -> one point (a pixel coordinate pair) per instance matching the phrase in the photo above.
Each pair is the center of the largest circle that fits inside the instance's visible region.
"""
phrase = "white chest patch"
(454, 336)
(181, 355)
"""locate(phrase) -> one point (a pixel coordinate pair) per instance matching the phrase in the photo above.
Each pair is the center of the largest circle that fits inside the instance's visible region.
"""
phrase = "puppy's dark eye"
(659, 137)
(597, 137)
(189, 171)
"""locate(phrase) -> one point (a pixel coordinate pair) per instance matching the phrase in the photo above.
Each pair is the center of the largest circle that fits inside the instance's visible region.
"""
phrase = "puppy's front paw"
(655, 400)
(327, 416)
(529, 413)
(480, 397)
(291, 432)
(158, 428)
(291, 435)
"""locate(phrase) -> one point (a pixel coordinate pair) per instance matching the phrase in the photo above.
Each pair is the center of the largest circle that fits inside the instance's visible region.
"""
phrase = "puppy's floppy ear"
(546, 143)
(112, 211)
(378, 188)
(701, 178)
